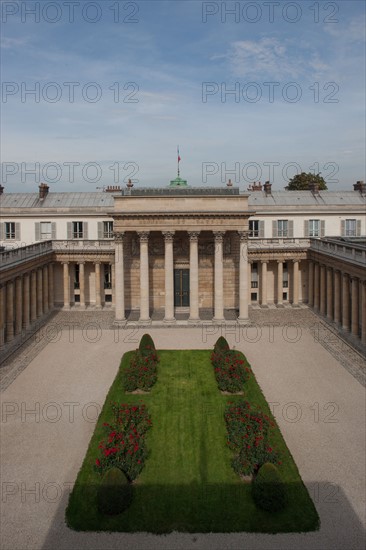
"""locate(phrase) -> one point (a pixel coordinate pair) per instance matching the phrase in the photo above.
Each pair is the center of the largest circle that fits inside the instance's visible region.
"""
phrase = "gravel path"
(51, 400)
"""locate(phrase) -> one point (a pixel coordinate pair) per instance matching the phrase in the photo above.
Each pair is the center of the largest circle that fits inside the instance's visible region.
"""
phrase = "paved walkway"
(56, 386)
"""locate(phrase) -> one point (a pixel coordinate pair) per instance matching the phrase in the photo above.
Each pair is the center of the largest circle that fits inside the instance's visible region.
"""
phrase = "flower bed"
(141, 373)
(124, 446)
(248, 434)
(231, 369)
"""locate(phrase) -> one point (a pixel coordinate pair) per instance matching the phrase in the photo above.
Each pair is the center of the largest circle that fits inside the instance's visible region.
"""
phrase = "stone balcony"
(350, 250)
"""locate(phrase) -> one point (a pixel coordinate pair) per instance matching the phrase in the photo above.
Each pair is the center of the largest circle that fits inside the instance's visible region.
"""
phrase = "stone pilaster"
(9, 311)
(316, 287)
(82, 284)
(310, 283)
(51, 295)
(98, 300)
(26, 301)
(323, 296)
(66, 286)
(337, 297)
(45, 289)
(345, 302)
(279, 283)
(263, 283)
(33, 297)
(295, 283)
(354, 306)
(39, 292)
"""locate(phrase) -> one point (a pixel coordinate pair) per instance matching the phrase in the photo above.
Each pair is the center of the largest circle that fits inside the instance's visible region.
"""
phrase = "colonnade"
(67, 299)
(25, 299)
(339, 296)
(278, 294)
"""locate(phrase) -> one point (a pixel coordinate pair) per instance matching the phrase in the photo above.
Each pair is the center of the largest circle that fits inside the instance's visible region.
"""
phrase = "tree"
(302, 182)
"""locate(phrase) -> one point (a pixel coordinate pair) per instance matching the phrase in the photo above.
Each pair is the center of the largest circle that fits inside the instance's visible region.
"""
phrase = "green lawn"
(188, 483)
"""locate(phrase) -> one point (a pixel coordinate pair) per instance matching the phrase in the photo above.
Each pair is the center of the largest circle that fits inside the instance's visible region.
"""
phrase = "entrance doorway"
(181, 287)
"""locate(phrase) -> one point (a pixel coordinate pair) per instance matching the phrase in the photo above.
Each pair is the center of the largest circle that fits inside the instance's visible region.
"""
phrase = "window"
(254, 275)
(10, 230)
(285, 275)
(107, 275)
(77, 230)
(253, 228)
(351, 228)
(46, 231)
(76, 276)
(107, 230)
(282, 228)
(314, 228)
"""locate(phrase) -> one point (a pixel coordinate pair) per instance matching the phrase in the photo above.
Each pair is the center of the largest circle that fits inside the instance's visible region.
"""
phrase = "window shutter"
(85, 230)
(261, 229)
(69, 230)
(306, 228)
(322, 228)
(2, 231)
(358, 228)
(17, 231)
(274, 229)
(37, 228)
(290, 228)
(53, 230)
(343, 228)
(100, 230)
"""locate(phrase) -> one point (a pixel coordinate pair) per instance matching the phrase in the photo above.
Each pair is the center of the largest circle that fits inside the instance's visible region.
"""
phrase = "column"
(169, 276)
(310, 283)
(82, 284)
(316, 286)
(9, 311)
(354, 306)
(118, 276)
(144, 276)
(193, 276)
(279, 283)
(2, 316)
(66, 286)
(45, 289)
(33, 297)
(295, 283)
(363, 313)
(345, 302)
(219, 277)
(50, 286)
(337, 296)
(39, 293)
(330, 293)
(18, 305)
(26, 302)
(98, 302)
(243, 276)
(323, 297)
(264, 283)
(113, 278)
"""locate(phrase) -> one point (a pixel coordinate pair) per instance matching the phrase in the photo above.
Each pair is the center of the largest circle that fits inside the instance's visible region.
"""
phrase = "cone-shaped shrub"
(221, 344)
(147, 345)
(268, 489)
(114, 493)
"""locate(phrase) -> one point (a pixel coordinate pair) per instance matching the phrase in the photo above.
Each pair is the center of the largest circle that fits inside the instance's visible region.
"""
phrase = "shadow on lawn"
(215, 508)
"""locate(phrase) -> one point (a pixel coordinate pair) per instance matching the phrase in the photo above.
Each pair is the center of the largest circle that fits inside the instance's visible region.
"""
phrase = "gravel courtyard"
(54, 388)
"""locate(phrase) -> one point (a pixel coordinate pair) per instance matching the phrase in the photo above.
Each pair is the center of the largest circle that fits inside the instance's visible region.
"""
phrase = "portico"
(181, 250)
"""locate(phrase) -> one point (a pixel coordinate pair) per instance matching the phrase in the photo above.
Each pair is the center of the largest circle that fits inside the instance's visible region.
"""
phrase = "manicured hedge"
(268, 489)
(146, 346)
(231, 369)
(114, 493)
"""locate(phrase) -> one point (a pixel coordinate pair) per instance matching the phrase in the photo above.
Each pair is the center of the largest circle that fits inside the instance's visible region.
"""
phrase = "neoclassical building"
(182, 254)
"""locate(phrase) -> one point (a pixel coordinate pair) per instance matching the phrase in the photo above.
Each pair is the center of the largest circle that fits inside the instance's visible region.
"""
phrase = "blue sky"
(173, 65)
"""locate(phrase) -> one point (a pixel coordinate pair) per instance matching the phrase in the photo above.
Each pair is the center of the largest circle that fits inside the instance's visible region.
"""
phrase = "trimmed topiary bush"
(146, 345)
(221, 344)
(268, 489)
(114, 493)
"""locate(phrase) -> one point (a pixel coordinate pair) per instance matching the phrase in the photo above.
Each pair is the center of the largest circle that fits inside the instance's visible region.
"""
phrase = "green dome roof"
(178, 182)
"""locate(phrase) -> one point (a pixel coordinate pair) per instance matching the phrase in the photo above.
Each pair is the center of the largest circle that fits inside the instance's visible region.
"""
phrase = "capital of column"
(219, 236)
(118, 236)
(193, 235)
(264, 261)
(144, 236)
(244, 236)
(168, 235)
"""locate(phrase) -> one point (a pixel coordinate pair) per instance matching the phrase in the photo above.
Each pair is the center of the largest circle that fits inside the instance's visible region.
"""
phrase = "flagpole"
(178, 159)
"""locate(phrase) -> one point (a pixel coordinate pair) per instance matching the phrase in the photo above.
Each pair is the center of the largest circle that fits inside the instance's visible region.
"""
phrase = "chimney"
(314, 188)
(129, 184)
(43, 191)
(1, 189)
(360, 186)
(267, 188)
(229, 183)
(112, 189)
